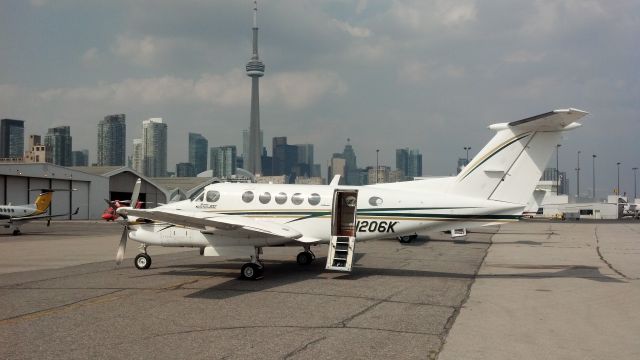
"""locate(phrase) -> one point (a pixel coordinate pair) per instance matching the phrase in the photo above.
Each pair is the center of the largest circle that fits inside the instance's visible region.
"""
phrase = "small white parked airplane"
(14, 216)
(238, 220)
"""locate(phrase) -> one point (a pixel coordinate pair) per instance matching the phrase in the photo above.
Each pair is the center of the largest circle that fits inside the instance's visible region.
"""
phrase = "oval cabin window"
(314, 199)
(297, 199)
(281, 198)
(247, 196)
(264, 197)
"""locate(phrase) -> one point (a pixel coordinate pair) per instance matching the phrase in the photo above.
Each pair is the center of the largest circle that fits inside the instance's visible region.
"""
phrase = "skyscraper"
(57, 142)
(137, 160)
(337, 166)
(11, 138)
(185, 170)
(409, 162)
(80, 158)
(352, 174)
(112, 135)
(415, 163)
(154, 147)
(223, 161)
(285, 157)
(198, 146)
(255, 70)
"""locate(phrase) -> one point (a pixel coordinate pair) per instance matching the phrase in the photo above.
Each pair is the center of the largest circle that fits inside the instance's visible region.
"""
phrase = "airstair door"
(343, 230)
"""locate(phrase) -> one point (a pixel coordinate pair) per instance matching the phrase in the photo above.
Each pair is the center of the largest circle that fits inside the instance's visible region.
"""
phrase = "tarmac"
(543, 290)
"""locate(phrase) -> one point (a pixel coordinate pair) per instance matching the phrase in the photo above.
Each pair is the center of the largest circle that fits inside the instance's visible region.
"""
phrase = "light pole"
(594, 176)
(558, 169)
(578, 177)
(467, 148)
(377, 166)
(618, 178)
(635, 182)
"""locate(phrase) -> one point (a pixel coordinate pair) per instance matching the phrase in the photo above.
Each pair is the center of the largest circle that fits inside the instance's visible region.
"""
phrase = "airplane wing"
(42, 216)
(239, 226)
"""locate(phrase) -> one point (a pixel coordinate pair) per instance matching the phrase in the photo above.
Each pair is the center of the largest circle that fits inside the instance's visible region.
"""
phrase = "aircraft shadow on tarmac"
(279, 274)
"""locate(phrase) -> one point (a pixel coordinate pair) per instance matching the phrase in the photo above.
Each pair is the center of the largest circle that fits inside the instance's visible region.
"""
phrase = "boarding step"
(340, 254)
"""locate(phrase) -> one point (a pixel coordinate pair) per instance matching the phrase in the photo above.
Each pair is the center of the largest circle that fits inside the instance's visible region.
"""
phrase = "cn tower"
(255, 69)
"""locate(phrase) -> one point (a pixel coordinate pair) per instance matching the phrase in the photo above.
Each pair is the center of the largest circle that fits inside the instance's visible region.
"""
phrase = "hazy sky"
(387, 74)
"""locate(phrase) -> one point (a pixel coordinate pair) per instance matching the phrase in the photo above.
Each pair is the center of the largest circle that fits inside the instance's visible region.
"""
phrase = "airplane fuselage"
(381, 213)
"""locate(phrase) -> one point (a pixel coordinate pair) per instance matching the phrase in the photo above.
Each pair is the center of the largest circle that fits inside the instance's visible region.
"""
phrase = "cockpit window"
(213, 196)
(247, 196)
(200, 197)
(265, 197)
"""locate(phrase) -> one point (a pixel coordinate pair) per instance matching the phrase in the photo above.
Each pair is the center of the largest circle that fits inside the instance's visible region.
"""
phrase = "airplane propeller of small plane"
(110, 213)
(15, 216)
(239, 220)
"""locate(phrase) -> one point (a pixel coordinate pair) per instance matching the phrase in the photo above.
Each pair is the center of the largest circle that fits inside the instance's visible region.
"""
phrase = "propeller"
(125, 232)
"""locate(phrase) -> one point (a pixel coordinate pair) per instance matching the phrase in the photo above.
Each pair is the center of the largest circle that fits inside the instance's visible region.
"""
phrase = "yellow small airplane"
(13, 216)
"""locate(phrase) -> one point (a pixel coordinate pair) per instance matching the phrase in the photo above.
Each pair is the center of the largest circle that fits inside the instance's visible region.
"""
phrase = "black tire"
(16, 232)
(251, 271)
(142, 261)
(304, 258)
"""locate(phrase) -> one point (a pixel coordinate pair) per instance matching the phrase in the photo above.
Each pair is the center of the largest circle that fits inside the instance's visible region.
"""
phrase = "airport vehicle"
(13, 216)
(628, 209)
(239, 219)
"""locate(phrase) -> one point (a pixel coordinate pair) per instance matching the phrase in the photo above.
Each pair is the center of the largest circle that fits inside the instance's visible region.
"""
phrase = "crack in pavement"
(454, 315)
(595, 235)
(303, 347)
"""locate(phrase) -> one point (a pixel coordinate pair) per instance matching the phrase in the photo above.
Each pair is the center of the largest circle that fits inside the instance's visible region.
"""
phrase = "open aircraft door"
(343, 230)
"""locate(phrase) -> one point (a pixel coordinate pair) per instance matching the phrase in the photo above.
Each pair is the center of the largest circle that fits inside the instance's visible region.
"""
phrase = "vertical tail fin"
(510, 165)
(43, 201)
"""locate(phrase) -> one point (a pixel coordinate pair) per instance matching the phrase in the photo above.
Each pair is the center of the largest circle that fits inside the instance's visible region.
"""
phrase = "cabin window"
(281, 198)
(375, 201)
(201, 197)
(314, 199)
(247, 196)
(264, 197)
(213, 196)
(297, 199)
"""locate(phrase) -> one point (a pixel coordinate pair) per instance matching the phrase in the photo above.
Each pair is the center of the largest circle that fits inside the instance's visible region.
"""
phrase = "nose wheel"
(142, 261)
(253, 270)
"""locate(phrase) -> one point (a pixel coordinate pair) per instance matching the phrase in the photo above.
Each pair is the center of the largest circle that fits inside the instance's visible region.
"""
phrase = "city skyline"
(425, 75)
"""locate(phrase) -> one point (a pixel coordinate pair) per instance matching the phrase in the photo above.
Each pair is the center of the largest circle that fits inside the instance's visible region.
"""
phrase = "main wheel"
(16, 232)
(251, 271)
(142, 261)
(304, 258)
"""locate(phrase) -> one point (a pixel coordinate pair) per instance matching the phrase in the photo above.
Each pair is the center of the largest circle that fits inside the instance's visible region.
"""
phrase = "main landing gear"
(406, 239)
(253, 270)
(306, 257)
(142, 260)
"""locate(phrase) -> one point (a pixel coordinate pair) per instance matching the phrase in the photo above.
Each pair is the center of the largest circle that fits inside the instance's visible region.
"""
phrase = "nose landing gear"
(142, 260)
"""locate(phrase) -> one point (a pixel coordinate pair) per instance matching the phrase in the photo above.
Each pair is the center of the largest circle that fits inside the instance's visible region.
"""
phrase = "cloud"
(523, 56)
(293, 90)
(355, 31)
(90, 57)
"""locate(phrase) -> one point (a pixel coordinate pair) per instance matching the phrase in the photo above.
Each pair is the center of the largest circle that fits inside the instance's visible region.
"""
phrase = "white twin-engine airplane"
(14, 216)
(238, 220)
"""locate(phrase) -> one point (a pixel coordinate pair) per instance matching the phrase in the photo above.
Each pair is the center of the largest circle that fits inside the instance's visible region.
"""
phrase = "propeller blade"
(123, 245)
(136, 192)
